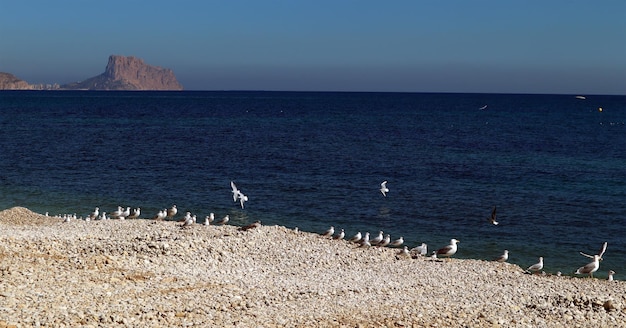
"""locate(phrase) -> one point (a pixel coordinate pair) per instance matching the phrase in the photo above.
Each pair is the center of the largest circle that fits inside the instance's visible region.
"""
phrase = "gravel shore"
(156, 274)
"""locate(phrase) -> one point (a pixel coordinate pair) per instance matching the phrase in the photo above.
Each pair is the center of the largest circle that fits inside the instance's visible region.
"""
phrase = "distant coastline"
(121, 73)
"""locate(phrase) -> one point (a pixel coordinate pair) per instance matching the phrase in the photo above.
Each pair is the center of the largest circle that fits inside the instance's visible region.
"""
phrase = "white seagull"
(385, 241)
(420, 250)
(340, 235)
(376, 240)
(365, 242)
(610, 277)
(135, 213)
(242, 199)
(591, 267)
(329, 232)
(209, 218)
(224, 220)
(383, 188)
(404, 252)
(504, 257)
(356, 238)
(161, 215)
(118, 213)
(235, 191)
(537, 266)
(449, 250)
(397, 242)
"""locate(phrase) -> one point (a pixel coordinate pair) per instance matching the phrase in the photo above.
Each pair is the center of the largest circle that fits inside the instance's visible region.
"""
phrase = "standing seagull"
(383, 188)
(376, 240)
(385, 241)
(356, 238)
(95, 213)
(591, 267)
(537, 266)
(504, 257)
(610, 277)
(329, 232)
(209, 218)
(172, 211)
(340, 235)
(492, 219)
(449, 250)
(397, 242)
(224, 220)
(420, 250)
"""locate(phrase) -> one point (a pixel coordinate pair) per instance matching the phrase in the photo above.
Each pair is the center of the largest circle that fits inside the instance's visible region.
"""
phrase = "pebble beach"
(146, 273)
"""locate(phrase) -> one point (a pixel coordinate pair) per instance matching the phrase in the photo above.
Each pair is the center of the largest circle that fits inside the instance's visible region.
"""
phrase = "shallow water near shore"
(554, 165)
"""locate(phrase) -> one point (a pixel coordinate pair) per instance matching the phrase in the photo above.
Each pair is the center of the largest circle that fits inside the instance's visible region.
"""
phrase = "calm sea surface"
(554, 165)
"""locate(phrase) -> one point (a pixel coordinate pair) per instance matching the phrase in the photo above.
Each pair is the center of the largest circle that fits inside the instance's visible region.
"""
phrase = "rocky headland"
(129, 73)
(121, 73)
(147, 273)
(11, 82)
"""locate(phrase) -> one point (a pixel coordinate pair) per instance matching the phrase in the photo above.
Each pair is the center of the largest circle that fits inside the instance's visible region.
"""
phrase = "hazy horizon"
(573, 47)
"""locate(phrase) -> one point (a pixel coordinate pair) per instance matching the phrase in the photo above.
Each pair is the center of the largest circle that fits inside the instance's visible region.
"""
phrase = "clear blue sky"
(576, 47)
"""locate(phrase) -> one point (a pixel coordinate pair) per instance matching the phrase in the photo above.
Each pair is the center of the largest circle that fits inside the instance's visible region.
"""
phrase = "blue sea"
(554, 165)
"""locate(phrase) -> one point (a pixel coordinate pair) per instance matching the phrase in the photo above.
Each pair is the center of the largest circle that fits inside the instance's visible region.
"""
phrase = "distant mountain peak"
(129, 73)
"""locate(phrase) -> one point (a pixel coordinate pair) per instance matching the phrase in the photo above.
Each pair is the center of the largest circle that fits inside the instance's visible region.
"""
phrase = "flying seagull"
(492, 219)
(383, 188)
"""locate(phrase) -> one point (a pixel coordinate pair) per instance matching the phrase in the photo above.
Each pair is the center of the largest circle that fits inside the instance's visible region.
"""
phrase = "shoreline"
(157, 274)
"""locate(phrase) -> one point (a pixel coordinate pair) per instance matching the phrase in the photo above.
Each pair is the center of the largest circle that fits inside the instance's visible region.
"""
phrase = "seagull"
(340, 235)
(118, 213)
(610, 277)
(404, 252)
(209, 218)
(356, 238)
(125, 213)
(376, 240)
(95, 213)
(537, 266)
(483, 108)
(383, 188)
(504, 257)
(224, 220)
(161, 215)
(365, 242)
(433, 256)
(256, 224)
(187, 217)
(420, 250)
(242, 199)
(591, 267)
(329, 232)
(188, 221)
(172, 211)
(449, 250)
(102, 216)
(66, 218)
(235, 191)
(492, 219)
(397, 242)
(135, 213)
(602, 250)
(385, 241)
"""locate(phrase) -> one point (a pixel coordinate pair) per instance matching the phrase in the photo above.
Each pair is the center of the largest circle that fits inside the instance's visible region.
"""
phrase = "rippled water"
(554, 165)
